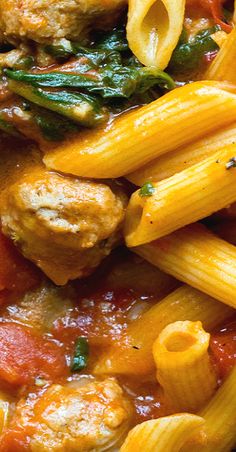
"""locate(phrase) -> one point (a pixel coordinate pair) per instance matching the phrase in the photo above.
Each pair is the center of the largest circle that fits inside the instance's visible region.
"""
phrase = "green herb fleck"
(231, 163)
(147, 189)
(80, 359)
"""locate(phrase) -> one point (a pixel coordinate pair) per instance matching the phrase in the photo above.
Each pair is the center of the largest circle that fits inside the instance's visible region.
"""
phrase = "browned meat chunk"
(95, 417)
(63, 224)
(44, 21)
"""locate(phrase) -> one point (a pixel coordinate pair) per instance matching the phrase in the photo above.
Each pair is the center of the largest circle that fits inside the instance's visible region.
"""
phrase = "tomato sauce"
(24, 356)
(223, 347)
(100, 311)
(17, 275)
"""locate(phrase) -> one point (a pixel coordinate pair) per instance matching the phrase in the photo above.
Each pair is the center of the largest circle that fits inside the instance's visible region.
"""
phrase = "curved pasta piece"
(138, 137)
(197, 257)
(223, 66)
(175, 161)
(220, 420)
(183, 198)
(134, 354)
(184, 369)
(154, 28)
(164, 434)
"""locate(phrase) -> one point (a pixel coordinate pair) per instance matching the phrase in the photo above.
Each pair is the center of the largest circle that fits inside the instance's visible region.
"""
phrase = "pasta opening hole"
(155, 24)
(179, 342)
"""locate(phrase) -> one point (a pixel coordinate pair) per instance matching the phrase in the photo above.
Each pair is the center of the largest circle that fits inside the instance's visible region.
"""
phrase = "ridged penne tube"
(184, 198)
(153, 29)
(175, 161)
(134, 139)
(198, 257)
(220, 420)
(134, 356)
(184, 369)
(223, 66)
(166, 434)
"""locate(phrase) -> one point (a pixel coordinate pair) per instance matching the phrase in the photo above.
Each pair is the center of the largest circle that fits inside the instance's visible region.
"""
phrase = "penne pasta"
(196, 256)
(223, 66)
(164, 434)
(117, 226)
(184, 198)
(154, 28)
(140, 136)
(135, 354)
(220, 420)
(184, 369)
(175, 161)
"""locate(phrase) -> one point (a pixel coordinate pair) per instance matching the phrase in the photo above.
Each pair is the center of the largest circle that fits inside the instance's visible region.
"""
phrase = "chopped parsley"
(231, 163)
(81, 355)
(147, 189)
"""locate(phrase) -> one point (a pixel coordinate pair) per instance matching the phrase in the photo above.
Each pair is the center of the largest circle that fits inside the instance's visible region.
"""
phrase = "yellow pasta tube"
(166, 434)
(153, 29)
(198, 257)
(183, 365)
(223, 66)
(134, 355)
(220, 420)
(136, 138)
(175, 161)
(184, 198)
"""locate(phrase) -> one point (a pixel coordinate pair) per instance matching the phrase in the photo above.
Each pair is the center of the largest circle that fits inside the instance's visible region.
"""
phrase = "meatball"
(95, 417)
(54, 19)
(65, 225)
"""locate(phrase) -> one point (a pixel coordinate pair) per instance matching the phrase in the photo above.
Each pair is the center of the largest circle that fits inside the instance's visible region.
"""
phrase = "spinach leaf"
(104, 76)
(188, 55)
(109, 82)
(79, 107)
(61, 50)
(107, 48)
(53, 127)
(50, 126)
(113, 40)
(150, 77)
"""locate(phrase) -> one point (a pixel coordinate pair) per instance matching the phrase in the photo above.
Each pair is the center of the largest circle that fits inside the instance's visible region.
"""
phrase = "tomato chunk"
(25, 356)
(215, 8)
(17, 275)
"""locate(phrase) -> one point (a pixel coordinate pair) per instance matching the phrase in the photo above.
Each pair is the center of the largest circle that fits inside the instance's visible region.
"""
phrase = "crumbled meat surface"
(94, 417)
(44, 21)
(63, 224)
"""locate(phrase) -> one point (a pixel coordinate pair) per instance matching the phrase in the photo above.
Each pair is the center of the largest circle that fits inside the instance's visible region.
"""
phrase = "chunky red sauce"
(100, 310)
(223, 347)
(17, 275)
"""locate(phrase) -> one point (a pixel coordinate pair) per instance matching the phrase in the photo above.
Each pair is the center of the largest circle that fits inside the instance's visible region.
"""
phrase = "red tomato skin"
(215, 8)
(25, 356)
